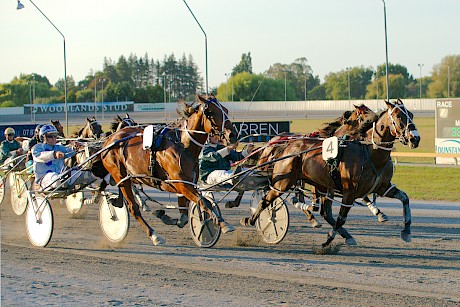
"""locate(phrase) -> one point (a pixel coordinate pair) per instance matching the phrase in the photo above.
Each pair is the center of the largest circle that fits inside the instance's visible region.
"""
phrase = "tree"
(299, 74)
(348, 83)
(257, 87)
(447, 70)
(245, 64)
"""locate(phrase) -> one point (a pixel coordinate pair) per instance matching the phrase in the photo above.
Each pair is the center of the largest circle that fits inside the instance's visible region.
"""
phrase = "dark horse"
(120, 123)
(358, 170)
(57, 124)
(170, 167)
(91, 130)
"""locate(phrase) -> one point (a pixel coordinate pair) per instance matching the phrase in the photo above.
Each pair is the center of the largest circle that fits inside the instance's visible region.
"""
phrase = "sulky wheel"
(39, 221)
(273, 222)
(203, 226)
(114, 221)
(19, 193)
(74, 203)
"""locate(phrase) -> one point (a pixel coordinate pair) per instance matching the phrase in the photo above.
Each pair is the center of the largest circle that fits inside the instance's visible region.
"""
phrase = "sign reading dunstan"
(447, 128)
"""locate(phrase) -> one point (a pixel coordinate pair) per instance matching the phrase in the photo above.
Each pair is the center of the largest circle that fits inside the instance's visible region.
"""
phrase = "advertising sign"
(260, 131)
(21, 130)
(79, 107)
(447, 128)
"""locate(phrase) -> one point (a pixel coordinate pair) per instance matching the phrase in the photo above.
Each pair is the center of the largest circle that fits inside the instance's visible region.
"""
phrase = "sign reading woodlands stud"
(263, 131)
(79, 107)
(447, 128)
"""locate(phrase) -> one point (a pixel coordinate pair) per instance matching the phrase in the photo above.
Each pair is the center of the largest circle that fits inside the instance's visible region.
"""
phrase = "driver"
(49, 162)
(215, 163)
(9, 148)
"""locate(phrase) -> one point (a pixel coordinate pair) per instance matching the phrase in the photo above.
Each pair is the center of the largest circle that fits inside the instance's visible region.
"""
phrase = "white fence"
(241, 106)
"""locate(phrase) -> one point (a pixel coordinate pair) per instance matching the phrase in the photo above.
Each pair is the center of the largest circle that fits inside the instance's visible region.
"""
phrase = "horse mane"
(368, 124)
(114, 124)
(330, 128)
(185, 109)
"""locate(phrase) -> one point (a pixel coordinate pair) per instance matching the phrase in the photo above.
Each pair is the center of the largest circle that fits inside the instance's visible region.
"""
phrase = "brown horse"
(173, 168)
(348, 123)
(194, 131)
(91, 130)
(57, 124)
(358, 170)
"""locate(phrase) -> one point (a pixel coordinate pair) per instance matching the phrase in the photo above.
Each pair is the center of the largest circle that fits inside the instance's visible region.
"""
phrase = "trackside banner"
(21, 130)
(79, 107)
(260, 131)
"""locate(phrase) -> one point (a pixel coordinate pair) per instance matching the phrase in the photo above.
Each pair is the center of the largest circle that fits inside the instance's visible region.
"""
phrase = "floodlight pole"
(386, 50)
(20, 6)
(205, 45)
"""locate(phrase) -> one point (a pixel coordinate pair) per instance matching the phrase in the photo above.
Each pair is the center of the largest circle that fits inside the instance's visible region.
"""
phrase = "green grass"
(429, 183)
(419, 182)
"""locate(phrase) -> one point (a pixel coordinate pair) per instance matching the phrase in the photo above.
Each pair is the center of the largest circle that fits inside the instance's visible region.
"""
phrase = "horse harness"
(152, 141)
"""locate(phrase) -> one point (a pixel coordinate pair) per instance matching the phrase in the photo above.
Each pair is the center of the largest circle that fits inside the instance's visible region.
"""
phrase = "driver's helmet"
(37, 130)
(9, 130)
(46, 129)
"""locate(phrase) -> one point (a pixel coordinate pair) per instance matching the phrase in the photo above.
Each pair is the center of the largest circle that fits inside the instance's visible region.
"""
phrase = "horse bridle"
(401, 136)
(92, 124)
(210, 117)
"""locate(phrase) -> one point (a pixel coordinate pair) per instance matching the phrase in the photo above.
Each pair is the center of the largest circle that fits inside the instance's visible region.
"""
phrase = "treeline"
(141, 79)
(138, 79)
(296, 81)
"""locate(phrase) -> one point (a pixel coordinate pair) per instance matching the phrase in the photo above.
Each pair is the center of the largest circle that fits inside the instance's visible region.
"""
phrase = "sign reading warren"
(79, 107)
(260, 131)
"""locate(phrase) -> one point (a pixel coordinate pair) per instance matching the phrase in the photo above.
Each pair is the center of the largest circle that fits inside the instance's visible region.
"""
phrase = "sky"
(331, 34)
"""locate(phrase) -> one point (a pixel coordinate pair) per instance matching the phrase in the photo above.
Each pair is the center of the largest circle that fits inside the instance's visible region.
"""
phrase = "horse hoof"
(382, 217)
(183, 220)
(245, 221)
(316, 224)
(157, 240)
(351, 242)
(225, 227)
(406, 236)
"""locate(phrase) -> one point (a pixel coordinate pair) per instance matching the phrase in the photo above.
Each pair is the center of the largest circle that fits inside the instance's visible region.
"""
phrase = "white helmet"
(46, 129)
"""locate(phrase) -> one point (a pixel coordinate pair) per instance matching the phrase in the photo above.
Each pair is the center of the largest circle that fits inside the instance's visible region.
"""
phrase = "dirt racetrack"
(80, 267)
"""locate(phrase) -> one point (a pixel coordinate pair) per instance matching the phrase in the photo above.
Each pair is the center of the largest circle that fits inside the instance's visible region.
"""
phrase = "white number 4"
(330, 148)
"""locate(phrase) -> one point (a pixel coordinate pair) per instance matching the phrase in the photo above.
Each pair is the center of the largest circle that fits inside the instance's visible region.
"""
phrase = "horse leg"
(326, 213)
(183, 203)
(299, 202)
(192, 194)
(264, 203)
(341, 219)
(402, 196)
(127, 191)
(382, 217)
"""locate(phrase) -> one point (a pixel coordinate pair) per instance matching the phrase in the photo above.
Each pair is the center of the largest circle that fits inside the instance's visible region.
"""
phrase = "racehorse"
(58, 127)
(120, 123)
(91, 130)
(347, 124)
(194, 127)
(358, 170)
(169, 167)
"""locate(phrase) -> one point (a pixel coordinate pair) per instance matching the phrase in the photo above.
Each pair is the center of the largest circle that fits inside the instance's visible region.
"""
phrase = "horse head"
(93, 127)
(119, 123)
(402, 125)
(216, 120)
(58, 127)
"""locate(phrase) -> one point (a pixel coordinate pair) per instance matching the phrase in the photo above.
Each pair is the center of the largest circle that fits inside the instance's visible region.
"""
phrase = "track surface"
(80, 267)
